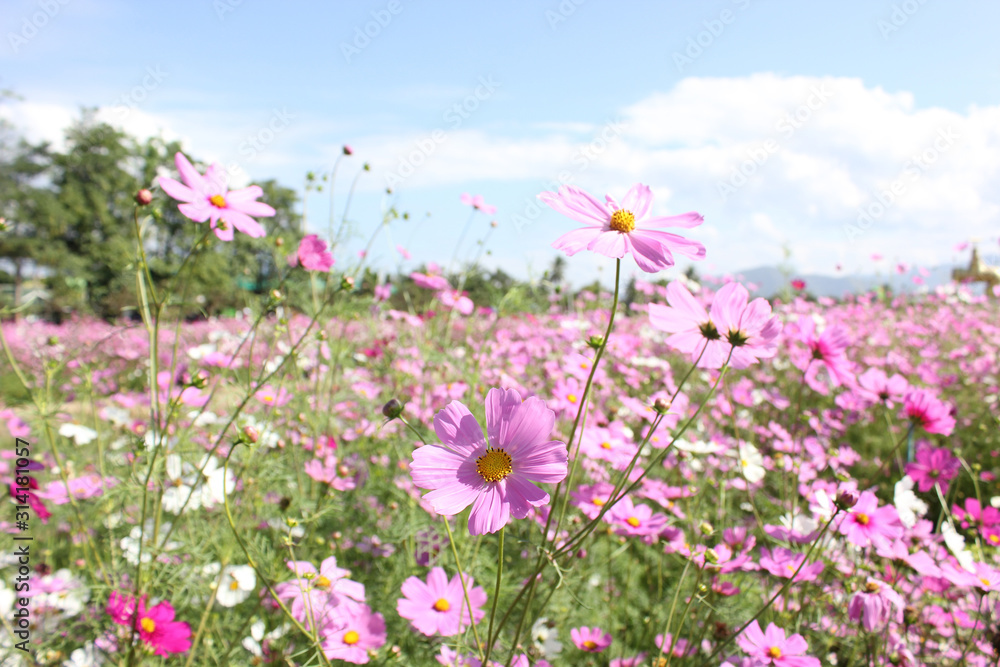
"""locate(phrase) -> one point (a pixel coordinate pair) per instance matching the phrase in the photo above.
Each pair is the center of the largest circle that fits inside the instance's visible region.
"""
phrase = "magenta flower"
(477, 202)
(160, 631)
(352, 632)
(494, 474)
(312, 255)
(121, 608)
(875, 605)
(874, 385)
(770, 647)
(207, 198)
(868, 524)
(591, 640)
(923, 408)
(783, 563)
(828, 348)
(636, 520)
(747, 329)
(438, 607)
(933, 465)
(614, 230)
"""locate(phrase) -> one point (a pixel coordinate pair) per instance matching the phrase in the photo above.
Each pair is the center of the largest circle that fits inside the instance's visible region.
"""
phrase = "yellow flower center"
(994, 539)
(351, 637)
(632, 521)
(442, 605)
(622, 221)
(571, 398)
(494, 465)
(861, 518)
(235, 585)
(605, 445)
(218, 201)
(598, 501)
(774, 652)
(268, 398)
(986, 582)
(590, 644)
(322, 582)
(872, 587)
(148, 625)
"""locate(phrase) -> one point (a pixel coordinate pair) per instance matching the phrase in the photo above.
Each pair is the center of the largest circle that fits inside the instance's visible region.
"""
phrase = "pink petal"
(458, 429)
(684, 220)
(638, 200)
(576, 240)
(244, 223)
(546, 463)
(523, 495)
(651, 255)
(672, 242)
(188, 173)
(578, 205)
(609, 244)
(515, 426)
(490, 512)
(176, 190)
(197, 211)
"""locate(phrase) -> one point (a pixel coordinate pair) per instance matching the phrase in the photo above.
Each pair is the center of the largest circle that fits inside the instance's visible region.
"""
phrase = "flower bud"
(199, 380)
(144, 197)
(366, 167)
(847, 499)
(251, 434)
(347, 282)
(711, 556)
(3, 224)
(910, 615)
(348, 150)
(279, 241)
(276, 295)
(595, 342)
(706, 528)
(392, 409)
(661, 405)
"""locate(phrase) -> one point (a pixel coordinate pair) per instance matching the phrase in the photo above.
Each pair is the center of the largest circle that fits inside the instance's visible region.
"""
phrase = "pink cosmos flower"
(121, 608)
(874, 385)
(438, 607)
(494, 474)
(783, 563)
(868, 524)
(770, 647)
(457, 300)
(275, 397)
(477, 202)
(351, 633)
(613, 230)
(983, 577)
(636, 520)
(207, 198)
(679, 647)
(875, 605)
(383, 292)
(747, 329)
(933, 465)
(591, 640)
(924, 408)
(798, 285)
(312, 255)
(828, 348)
(160, 631)
(319, 592)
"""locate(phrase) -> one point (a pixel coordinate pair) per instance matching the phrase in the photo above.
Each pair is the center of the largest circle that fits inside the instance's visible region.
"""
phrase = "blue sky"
(898, 106)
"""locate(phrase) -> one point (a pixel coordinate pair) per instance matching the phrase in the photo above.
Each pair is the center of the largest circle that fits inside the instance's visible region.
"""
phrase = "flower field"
(688, 477)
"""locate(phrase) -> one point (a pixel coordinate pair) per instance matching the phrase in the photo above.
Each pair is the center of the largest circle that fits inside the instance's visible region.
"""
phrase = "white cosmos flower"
(545, 638)
(236, 585)
(83, 657)
(751, 461)
(908, 505)
(956, 544)
(81, 435)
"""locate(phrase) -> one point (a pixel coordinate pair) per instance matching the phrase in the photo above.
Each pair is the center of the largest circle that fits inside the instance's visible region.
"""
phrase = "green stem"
(496, 597)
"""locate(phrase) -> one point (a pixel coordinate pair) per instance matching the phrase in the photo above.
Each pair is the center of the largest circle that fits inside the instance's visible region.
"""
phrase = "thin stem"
(496, 598)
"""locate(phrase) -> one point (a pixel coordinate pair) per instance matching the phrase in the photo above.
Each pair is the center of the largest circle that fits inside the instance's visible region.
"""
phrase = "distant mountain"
(769, 281)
